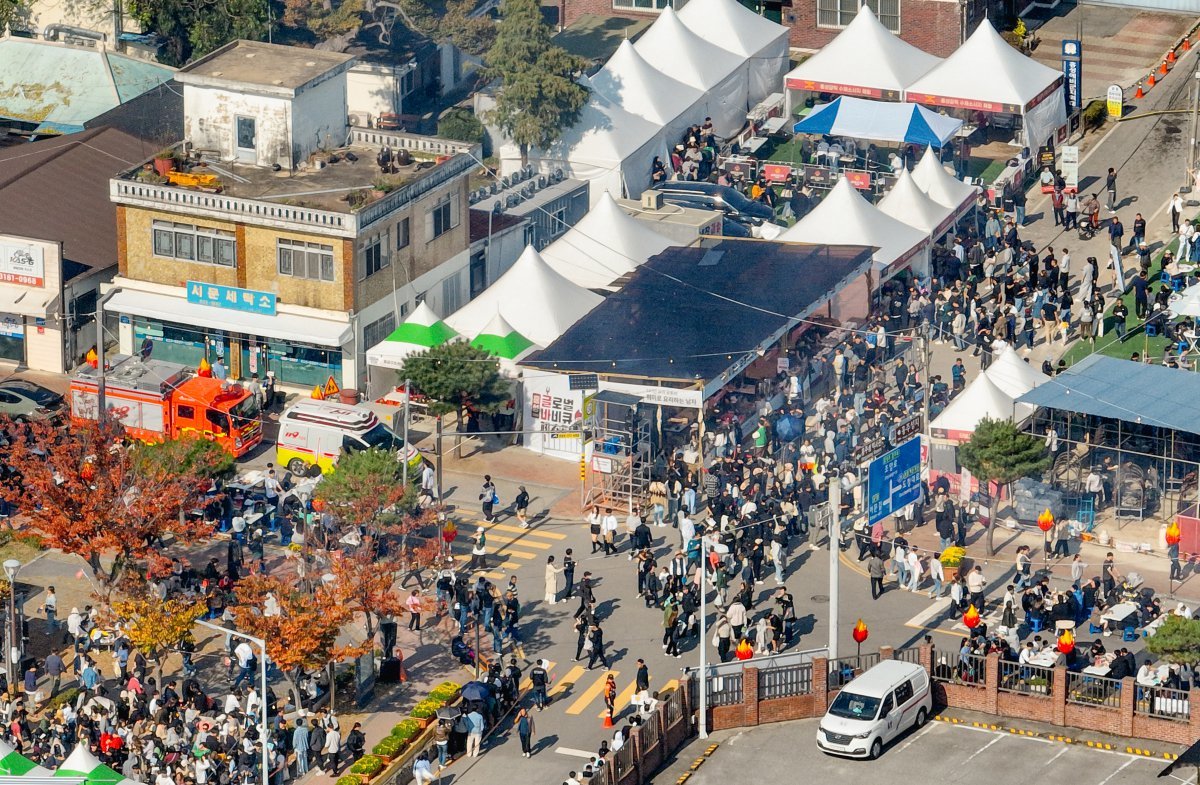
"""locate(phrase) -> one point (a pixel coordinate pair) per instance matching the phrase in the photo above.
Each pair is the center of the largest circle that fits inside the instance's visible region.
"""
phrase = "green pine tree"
(1177, 641)
(1000, 452)
(456, 375)
(538, 96)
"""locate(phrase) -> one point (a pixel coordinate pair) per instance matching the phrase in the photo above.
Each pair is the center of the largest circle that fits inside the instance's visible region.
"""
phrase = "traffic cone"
(1139, 93)
(1171, 56)
(1187, 44)
(608, 723)
(1162, 69)
(1150, 80)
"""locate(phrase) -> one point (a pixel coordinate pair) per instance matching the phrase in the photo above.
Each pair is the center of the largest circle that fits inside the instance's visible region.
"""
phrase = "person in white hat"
(479, 549)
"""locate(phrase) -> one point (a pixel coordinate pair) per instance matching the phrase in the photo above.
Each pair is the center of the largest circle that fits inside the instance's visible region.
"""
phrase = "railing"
(1087, 690)
(970, 670)
(785, 682)
(1164, 703)
(651, 733)
(843, 669)
(253, 211)
(400, 140)
(674, 703)
(907, 655)
(1025, 679)
(438, 175)
(623, 760)
(722, 690)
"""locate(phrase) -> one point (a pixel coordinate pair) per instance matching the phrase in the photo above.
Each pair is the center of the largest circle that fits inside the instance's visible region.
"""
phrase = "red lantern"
(1066, 642)
(88, 472)
(860, 632)
(971, 618)
(1173, 533)
(204, 369)
(1045, 521)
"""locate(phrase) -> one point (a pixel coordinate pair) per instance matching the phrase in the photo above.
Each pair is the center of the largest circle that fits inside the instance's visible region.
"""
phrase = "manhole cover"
(819, 598)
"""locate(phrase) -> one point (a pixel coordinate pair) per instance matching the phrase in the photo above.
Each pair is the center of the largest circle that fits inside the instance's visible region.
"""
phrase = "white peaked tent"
(14, 764)
(669, 46)
(505, 343)
(866, 60)
(605, 245)
(536, 301)
(987, 74)
(422, 330)
(981, 399)
(908, 203)
(944, 188)
(735, 28)
(637, 87)
(82, 763)
(844, 217)
(1011, 374)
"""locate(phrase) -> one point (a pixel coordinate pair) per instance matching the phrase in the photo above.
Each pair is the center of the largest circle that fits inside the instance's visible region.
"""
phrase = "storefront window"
(173, 343)
(12, 337)
(304, 366)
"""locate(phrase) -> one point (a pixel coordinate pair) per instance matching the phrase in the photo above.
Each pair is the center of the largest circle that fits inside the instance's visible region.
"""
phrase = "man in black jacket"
(356, 742)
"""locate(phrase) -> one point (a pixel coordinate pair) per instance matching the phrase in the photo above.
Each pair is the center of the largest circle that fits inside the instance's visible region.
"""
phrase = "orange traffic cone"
(1187, 45)
(1140, 93)
(1162, 69)
(1171, 56)
(608, 723)
(1150, 80)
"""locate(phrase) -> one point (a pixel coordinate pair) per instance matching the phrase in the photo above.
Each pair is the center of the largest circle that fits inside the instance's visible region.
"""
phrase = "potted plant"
(164, 161)
(389, 747)
(424, 712)
(446, 692)
(952, 561)
(349, 779)
(406, 730)
(367, 767)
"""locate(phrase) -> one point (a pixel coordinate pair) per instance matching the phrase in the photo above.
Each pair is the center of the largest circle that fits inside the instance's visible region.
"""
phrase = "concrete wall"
(319, 120)
(209, 121)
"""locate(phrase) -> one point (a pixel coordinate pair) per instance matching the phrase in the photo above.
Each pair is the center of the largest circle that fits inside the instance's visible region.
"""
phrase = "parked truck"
(157, 400)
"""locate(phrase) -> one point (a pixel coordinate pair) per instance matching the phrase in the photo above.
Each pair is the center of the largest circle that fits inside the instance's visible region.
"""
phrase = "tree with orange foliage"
(304, 635)
(86, 491)
(154, 626)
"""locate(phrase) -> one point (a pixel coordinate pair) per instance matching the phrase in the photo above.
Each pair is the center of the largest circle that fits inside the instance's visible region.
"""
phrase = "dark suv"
(710, 196)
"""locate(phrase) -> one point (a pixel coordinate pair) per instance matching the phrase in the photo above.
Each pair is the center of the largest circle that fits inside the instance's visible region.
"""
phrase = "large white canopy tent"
(604, 246)
(609, 147)
(931, 176)
(669, 46)
(987, 74)
(866, 60)
(735, 28)
(536, 301)
(420, 331)
(1012, 375)
(981, 399)
(908, 203)
(844, 217)
(637, 87)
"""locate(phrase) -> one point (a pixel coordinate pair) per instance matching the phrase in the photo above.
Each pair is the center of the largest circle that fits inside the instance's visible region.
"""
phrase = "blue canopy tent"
(885, 121)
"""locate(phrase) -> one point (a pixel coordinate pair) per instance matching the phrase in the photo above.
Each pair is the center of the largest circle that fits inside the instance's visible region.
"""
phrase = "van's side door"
(905, 704)
(889, 718)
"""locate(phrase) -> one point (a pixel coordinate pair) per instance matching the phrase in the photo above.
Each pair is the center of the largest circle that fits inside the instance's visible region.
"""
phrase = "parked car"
(18, 405)
(43, 396)
(710, 196)
(875, 708)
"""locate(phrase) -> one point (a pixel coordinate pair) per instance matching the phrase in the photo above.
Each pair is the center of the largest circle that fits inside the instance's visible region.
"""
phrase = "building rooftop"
(269, 66)
(484, 224)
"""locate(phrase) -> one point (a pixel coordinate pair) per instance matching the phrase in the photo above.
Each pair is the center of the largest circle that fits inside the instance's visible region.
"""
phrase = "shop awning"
(281, 326)
(25, 302)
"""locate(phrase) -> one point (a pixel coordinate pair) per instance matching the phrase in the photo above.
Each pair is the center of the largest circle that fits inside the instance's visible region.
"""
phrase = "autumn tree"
(85, 491)
(154, 626)
(305, 635)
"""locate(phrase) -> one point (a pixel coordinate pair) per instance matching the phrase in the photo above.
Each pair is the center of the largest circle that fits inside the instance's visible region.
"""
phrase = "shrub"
(406, 730)
(389, 746)
(460, 124)
(348, 779)
(445, 691)
(367, 764)
(61, 699)
(424, 710)
(953, 556)
(1094, 114)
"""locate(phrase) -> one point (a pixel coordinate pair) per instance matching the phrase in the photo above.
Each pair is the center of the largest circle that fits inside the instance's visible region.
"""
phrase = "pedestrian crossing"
(516, 546)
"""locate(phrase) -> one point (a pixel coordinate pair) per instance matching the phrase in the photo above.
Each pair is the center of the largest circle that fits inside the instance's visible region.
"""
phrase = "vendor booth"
(860, 118)
(845, 217)
(422, 330)
(989, 78)
(502, 341)
(735, 28)
(909, 204)
(534, 299)
(606, 245)
(1013, 375)
(866, 59)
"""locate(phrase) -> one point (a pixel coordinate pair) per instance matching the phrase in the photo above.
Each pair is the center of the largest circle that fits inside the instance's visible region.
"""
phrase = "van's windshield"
(382, 437)
(854, 707)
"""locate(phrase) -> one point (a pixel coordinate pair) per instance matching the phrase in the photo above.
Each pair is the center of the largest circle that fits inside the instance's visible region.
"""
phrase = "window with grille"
(194, 244)
(839, 13)
(305, 260)
(379, 329)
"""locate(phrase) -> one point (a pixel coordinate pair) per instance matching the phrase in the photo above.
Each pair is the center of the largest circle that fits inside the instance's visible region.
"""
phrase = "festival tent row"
(650, 92)
(930, 176)
(606, 245)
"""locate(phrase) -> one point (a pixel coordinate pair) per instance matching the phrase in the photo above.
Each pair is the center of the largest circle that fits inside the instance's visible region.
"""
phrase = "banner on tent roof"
(961, 103)
(861, 91)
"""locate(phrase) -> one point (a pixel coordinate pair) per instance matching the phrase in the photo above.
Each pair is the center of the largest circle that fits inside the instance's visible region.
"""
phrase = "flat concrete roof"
(270, 66)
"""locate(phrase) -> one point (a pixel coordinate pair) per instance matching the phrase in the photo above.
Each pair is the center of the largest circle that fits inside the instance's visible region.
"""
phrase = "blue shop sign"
(231, 297)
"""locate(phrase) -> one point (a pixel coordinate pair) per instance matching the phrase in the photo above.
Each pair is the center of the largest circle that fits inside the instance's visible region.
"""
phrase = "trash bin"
(348, 395)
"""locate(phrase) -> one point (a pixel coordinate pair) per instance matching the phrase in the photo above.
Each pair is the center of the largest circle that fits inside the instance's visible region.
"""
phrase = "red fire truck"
(157, 400)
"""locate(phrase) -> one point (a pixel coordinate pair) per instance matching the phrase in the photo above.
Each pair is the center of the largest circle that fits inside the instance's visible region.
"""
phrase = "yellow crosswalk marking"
(673, 684)
(591, 693)
(504, 527)
(516, 554)
(623, 698)
(568, 680)
(542, 546)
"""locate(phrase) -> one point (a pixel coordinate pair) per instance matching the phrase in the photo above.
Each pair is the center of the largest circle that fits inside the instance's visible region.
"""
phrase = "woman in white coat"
(552, 587)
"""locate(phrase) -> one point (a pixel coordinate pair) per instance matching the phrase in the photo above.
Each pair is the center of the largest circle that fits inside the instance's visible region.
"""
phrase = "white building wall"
(319, 117)
(373, 89)
(209, 120)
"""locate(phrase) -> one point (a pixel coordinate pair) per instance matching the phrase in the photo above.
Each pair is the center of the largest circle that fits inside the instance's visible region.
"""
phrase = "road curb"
(1091, 743)
(697, 763)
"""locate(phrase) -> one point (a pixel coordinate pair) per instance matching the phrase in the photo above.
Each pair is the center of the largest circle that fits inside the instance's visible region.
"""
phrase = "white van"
(875, 708)
(313, 435)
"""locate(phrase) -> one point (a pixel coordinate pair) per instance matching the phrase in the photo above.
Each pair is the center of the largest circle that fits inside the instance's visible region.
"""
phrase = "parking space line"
(918, 735)
(984, 747)
(1061, 752)
(1118, 771)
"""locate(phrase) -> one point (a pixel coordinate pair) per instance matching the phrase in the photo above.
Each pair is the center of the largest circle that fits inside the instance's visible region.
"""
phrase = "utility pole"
(439, 461)
(834, 483)
(1190, 164)
(407, 398)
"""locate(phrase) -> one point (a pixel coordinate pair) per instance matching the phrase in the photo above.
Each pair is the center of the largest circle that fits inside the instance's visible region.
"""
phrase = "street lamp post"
(703, 713)
(10, 635)
(262, 665)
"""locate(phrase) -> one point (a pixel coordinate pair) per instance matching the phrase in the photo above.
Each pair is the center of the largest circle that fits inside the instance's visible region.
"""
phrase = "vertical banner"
(1068, 162)
(1072, 67)
(1115, 101)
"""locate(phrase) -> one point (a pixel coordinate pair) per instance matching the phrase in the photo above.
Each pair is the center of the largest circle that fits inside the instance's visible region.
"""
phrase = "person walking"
(568, 569)
(876, 571)
(539, 680)
(332, 750)
(1110, 185)
(525, 729)
(552, 573)
(937, 574)
(596, 639)
(50, 606)
(479, 550)
(474, 733)
(641, 678)
(488, 497)
(413, 605)
(300, 745)
(1061, 532)
(522, 506)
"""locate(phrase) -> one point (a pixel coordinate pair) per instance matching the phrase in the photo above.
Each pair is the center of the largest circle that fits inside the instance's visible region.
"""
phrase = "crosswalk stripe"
(568, 680)
(516, 554)
(589, 695)
(623, 698)
(526, 683)
(543, 546)
(672, 684)
(504, 527)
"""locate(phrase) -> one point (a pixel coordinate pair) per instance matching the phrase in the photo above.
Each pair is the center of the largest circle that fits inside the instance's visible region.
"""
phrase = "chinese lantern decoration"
(449, 532)
(1045, 521)
(204, 369)
(971, 618)
(1066, 642)
(92, 358)
(88, 472)
(1173, 533)
(317, 394)
(744, 650)
(860, 632)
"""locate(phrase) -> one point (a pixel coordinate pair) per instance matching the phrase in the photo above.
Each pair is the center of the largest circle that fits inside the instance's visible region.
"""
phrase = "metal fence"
(1164, 703)
(785, 682)
(1025, 679)
(623, 761)
(843, 669)
(970, 670)
(722, 690)
(674, 701)
(651, 734)
(1088, 690)
(907, 655)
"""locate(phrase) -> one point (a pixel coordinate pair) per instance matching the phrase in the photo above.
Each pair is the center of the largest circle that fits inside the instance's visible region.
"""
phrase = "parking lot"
(939, 752)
